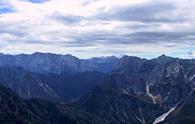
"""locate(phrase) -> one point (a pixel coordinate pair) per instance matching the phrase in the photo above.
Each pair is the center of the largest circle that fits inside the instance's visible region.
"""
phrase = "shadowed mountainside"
(136, 91)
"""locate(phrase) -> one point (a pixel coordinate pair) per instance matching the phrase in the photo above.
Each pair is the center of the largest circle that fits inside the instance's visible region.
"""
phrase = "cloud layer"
(87, 28)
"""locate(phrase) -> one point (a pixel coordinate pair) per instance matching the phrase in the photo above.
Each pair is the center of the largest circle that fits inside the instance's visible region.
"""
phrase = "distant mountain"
(101, 64)
(162, 59)
(56, 63)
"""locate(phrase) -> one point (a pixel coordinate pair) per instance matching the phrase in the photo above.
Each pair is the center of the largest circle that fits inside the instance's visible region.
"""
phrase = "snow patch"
(163, 117)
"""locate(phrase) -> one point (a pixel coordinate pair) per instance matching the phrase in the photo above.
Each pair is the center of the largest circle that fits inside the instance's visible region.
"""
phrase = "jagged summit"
(57, 63)
(163, 56)
(162, 59)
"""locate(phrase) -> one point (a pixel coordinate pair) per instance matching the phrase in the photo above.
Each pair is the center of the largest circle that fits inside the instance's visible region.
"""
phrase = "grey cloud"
(16, 29)
(87, 2)
(147, 12)
(161, 37)
(67, 19)
(150, 14)
(134, 38)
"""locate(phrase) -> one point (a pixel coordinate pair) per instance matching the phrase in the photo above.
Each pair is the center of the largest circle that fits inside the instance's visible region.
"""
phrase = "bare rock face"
(164, 80)
(55, 63)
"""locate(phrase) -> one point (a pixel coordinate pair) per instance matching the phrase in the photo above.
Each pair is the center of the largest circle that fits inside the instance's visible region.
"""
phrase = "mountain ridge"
(133, 91)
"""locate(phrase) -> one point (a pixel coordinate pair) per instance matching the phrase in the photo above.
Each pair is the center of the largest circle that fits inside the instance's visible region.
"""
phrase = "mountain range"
(63, 89)
(57, 64)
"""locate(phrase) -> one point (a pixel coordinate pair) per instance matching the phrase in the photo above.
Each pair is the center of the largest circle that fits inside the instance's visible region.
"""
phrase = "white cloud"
(45, 27)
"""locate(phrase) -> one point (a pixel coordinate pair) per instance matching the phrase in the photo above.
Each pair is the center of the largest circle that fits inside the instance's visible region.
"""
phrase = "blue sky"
(87, 28)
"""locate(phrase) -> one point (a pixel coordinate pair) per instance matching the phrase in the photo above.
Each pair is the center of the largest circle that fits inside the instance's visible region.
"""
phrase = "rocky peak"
(163, 59)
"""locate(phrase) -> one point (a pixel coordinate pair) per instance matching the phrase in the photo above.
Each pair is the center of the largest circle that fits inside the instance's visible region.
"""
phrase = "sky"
(88, 28)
